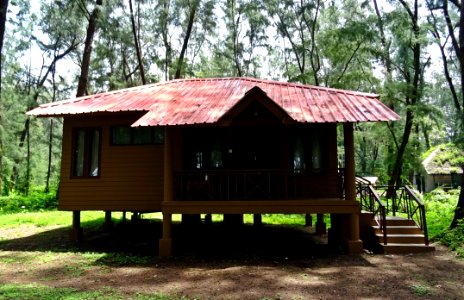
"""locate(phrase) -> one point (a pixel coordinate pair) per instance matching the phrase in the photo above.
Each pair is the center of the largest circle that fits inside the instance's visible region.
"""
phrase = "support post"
(257, 220)
(165, 244)
(208, 219)
(354, 244)
(124, 217)
(350, 172)
(321, 227)
(108, 222)
(308, 220)
(76, 230)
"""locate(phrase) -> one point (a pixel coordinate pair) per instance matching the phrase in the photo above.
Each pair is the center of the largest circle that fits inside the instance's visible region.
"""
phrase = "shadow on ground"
(265, 244)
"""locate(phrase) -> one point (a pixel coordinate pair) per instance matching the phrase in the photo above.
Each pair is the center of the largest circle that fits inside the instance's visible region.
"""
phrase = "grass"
(36, 291)
(45, 218)
(420, 290)
(440, 208)
(63, 218)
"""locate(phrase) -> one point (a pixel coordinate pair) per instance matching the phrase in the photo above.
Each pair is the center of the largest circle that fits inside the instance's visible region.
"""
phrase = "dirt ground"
(217, 262)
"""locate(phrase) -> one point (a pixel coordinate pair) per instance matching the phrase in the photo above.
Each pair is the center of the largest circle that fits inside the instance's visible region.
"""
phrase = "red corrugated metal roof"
(202, 101)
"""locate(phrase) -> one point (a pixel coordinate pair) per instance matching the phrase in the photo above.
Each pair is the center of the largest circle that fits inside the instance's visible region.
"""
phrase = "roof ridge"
(275, 82)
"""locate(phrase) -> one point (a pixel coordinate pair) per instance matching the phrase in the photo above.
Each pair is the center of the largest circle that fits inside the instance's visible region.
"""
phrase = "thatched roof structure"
(443, 159)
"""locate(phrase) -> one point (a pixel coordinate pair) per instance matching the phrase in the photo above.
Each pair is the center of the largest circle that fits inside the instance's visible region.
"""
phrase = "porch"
(232, 188)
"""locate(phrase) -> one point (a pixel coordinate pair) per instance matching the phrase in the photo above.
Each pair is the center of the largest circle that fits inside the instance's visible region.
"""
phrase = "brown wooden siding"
(131, 177)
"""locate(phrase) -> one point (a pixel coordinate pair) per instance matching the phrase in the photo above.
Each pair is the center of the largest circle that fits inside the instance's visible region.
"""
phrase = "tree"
(137, 44)
(193, 6)
(455, 36)
(3, 12)
(404, 65)
(91, 29)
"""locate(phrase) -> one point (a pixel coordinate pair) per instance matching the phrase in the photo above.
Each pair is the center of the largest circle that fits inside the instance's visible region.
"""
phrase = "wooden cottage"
(441, 168)
(214, 146)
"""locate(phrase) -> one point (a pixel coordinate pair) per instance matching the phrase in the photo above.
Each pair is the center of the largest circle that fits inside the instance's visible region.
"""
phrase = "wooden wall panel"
(131, 177)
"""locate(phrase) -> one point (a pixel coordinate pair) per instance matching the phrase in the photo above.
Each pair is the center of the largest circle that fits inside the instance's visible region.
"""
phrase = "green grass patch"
(36, 291)
(420, 290)
(51, 218)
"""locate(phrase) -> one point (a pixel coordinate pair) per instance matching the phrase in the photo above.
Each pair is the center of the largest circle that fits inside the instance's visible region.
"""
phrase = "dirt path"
(247, 271)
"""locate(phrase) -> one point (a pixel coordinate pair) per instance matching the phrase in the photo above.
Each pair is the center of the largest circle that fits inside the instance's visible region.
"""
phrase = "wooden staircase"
(403, 236)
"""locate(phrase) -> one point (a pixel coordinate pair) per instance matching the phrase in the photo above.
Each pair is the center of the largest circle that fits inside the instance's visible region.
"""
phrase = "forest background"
(410, 52)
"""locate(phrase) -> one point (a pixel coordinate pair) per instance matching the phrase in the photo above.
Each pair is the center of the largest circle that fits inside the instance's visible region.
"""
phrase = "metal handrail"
(371, 201)
(403, 201)
(381, 212)
(419, 209)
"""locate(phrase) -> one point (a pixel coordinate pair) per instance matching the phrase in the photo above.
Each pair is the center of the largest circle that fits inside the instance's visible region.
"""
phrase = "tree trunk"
(91, 29)
(28, 165)
(413, 95)
(186, 40)
(3, 11)
(137, 45)
(459, 211)
(395, 178)
(50, 154)
(458, 46)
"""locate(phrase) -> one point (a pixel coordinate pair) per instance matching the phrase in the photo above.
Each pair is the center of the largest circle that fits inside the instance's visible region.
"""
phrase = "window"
(308, 153)
(86, 152)
(126, 135)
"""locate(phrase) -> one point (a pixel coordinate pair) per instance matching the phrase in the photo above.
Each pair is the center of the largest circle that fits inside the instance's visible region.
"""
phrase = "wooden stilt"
(108, 221)
(165, 244)
(208, 219)
(257, 220)
(321, 227)
(76, 230)
(308, 220)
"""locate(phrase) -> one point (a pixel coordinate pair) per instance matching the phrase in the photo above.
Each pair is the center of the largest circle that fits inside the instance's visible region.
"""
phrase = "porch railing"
(232, 185)
(253, 184)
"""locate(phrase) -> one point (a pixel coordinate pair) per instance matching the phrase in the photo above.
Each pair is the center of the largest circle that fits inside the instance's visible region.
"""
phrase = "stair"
(403, 236)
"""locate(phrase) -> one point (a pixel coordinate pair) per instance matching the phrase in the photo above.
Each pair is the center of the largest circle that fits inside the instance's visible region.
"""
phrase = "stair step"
(398, 229)
(400, 221)
(395, 248)
(402, 238)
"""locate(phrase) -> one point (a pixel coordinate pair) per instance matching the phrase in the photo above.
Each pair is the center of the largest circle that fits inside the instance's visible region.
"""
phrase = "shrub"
(36, 200)
(454, 238)
(440, 206)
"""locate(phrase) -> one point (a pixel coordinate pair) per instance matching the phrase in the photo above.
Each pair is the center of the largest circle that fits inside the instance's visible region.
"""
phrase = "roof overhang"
(218, 100)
